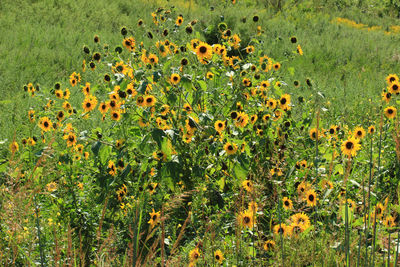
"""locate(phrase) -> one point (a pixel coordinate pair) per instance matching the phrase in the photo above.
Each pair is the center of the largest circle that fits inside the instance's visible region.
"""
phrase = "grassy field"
(41, 49)
(271, 145)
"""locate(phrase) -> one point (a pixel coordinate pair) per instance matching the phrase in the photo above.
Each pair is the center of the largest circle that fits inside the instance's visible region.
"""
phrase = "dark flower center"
(311, 197)
(203, 49)
(349, 145)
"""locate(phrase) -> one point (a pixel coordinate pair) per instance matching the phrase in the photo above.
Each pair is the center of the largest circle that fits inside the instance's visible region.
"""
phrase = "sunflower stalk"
(42, 260)
(280, 232)
(359, 249)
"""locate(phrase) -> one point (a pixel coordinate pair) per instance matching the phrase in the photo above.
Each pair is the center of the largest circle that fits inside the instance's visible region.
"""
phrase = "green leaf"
(104, 154)
(158, 136)
(95, 148)
(142, 87)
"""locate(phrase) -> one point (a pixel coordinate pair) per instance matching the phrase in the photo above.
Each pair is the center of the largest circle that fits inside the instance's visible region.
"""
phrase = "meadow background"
(349, 46)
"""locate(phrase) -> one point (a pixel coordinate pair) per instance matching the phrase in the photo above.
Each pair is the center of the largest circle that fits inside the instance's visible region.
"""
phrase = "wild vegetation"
(191, 135)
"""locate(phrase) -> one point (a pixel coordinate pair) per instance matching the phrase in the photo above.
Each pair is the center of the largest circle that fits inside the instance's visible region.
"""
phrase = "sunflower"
(392, 78)
(187, 108)
(390, 112)
(103, 107)
(89, 103)
(269, 245)
(79, 148)
(152, 188)
(276, 66)
(194, 255)
(130, 90)
(359, 132)
(51, 187)
(253, 118)
(203, 51)
(119, 143)
(314, 134)
(394, 88)
(379, 210)
(266, 117)
(386, 96)
(284, 102)
(242, 120)
(389, 221)
(111, 168)
(129, 43)
(264, 85)
(247, 185)
(115, 115)
(160, 155)
(149, 101)
(60, 115)
(67, 93)
(350, 146)
(249, 49)
(179, 20)
(59, 94)
(301, 219)
(153, 59)
(371, 129)
(280, 229)
(246, 219)
(175, 78)
(219, 126)
(230, 148)
(45, 124)
(218, 256)
(31, 115)
(154, 218)
(299, 50)
(311, 198)
(332, 129)
(86, 89)
(287, 203)
(71, 139)
(14, 147)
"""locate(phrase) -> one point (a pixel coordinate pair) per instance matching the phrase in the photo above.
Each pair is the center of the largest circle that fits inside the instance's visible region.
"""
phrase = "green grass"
(43, 40)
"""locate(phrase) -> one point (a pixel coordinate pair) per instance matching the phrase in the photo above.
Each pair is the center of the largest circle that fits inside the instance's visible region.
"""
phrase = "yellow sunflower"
(269, 245)
(359, 132)
(230, 148)
(350, 146)
(111, 168)
(219, 256)
(390, 112)
(301, 219)
(287, 203)
(311, 198)
(175, 78)
(392, 78)
(154, 218)
(194, 255)
(149, 101)
(204, 51)
(219, 126)
(247, 185)
(89, 103)
(71, 139)
(394, 88)
(115, 115)
(246, 219)
(45, 124)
